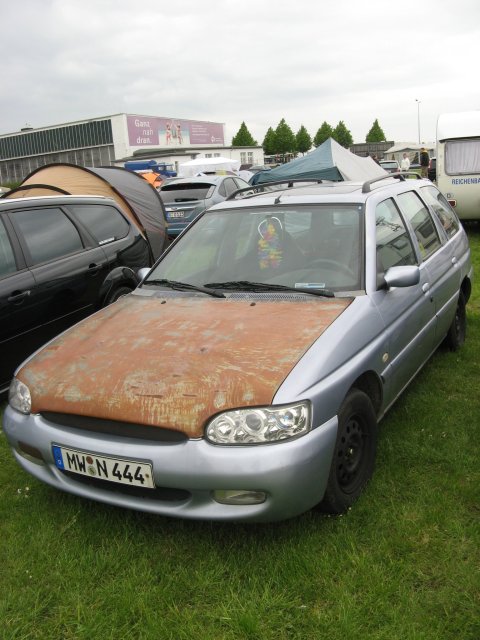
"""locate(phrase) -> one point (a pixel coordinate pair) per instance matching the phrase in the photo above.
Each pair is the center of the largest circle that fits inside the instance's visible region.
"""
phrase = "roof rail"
(400, 175)
(264, 187)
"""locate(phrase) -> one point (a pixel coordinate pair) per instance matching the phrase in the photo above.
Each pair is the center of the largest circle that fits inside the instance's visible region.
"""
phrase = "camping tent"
(329, 161)
(410, 148)
(203, 165)
(138, 200)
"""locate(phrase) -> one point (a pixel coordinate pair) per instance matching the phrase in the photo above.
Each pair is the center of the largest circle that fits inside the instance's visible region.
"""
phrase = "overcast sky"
(229, 61)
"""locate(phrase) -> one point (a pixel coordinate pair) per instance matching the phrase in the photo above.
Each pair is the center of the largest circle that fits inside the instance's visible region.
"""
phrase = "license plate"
(176, 214)
(130, 472)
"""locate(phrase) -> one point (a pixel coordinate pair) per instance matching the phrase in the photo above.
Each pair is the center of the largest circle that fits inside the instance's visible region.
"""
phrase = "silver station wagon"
(245, 377)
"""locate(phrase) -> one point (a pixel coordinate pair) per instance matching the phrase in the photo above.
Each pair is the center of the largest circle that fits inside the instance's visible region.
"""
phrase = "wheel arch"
(371, 384)
(118, 277)
(466, 288)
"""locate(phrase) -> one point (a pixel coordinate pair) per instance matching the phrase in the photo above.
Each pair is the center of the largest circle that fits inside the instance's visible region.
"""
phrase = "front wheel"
(354, 455)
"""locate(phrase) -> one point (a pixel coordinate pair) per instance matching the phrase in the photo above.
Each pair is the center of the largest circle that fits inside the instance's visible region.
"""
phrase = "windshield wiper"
(185, 286)
(246, 285)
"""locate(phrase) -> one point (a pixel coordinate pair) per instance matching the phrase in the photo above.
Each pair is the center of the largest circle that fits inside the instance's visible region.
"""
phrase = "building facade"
(112, 140)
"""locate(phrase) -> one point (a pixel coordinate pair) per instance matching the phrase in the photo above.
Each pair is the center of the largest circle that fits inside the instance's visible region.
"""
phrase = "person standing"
(405, 164)
(424, 162)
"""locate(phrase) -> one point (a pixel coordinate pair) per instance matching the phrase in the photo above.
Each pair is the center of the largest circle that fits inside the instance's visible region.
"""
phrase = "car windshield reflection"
(311, 247)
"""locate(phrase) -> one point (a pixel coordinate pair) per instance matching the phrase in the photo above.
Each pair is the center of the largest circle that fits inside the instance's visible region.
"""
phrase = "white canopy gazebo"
(204, 165)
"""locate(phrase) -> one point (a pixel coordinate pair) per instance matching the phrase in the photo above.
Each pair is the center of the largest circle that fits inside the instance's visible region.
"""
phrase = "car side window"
(241, 184)
(422, 222)
(447, 216)
(47, 233)
(105, 223)
(394, 245)
(230, 186)
(222, 190)
(7, 258)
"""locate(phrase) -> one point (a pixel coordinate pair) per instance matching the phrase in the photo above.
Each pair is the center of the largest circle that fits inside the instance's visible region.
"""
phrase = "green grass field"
(402, 565)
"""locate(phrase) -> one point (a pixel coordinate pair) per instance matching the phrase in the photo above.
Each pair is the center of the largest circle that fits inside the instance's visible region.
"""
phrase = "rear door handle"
(18, 297)
(93, 269)
(454, 260)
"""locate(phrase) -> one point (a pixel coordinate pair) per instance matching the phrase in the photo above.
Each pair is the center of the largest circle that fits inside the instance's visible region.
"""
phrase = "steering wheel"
(332, 265)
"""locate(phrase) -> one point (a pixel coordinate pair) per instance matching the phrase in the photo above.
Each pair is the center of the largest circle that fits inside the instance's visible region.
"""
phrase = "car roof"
(301, 193)
(212, 179)
(60, 199)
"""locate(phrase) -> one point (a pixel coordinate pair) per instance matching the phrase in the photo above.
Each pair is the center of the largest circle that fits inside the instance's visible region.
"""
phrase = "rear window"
(421, 221)
(186, 192)
(389, 165)
(105, 223)
(444, 211)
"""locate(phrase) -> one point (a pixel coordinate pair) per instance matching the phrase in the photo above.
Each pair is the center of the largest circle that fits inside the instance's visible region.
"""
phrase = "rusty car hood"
(173, 362)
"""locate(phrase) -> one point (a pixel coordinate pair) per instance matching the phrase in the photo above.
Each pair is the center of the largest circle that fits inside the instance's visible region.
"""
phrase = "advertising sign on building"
(145, 131)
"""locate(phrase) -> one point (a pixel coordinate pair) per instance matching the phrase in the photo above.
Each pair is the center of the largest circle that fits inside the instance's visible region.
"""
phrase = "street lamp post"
(418, 118)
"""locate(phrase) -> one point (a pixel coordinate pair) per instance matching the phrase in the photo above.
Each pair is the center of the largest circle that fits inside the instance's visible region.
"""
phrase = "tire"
(458, 329)
(354, 454)
(116, 294)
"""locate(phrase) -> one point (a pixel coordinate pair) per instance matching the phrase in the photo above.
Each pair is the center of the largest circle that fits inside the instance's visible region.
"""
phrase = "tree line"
(282, 140)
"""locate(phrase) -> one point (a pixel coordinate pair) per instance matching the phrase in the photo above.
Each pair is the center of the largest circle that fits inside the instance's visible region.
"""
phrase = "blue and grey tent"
(329, 161)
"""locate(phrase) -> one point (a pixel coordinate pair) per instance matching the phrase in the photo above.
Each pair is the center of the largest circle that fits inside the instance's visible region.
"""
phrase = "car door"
(110, 230)
(18, 305)
(436, 255)
(408, 313)
(68, 272)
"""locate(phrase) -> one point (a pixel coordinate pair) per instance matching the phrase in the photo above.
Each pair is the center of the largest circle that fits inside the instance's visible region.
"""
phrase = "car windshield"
(185, 192)
(302, 247)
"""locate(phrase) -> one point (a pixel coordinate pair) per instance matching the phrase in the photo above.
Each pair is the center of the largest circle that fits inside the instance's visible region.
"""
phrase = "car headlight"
(259, 425)
(19, 396)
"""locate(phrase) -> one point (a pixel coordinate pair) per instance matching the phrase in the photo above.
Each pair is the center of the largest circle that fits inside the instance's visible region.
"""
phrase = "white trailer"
(458, 161)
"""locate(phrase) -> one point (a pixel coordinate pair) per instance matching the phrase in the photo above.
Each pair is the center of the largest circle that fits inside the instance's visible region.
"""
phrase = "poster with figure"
(144, 131)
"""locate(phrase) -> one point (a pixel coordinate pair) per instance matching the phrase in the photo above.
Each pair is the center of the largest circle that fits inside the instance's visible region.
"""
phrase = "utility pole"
(418, 118)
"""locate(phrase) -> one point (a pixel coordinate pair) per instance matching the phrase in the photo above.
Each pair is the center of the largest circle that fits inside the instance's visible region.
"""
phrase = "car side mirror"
(405, 276)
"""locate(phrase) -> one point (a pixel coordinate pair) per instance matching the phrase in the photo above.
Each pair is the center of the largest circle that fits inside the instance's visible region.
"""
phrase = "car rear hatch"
(391, 167)
(184, 201)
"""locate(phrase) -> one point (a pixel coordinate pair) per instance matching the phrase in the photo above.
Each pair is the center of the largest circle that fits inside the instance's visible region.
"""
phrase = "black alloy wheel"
(350, 456)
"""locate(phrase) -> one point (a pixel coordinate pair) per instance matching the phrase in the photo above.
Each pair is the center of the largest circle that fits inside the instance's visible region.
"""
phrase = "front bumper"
(293, 473)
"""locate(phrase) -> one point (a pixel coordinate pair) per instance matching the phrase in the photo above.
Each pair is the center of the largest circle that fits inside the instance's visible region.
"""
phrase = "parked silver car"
(186, 198)
(245, 377)
(391, 166)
